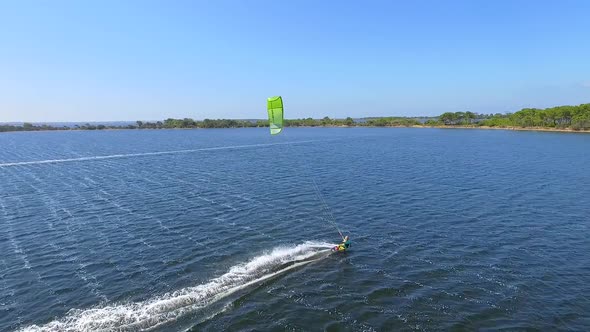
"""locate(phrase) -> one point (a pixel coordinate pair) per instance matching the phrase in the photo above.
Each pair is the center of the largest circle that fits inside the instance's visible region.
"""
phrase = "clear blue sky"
(150, 60)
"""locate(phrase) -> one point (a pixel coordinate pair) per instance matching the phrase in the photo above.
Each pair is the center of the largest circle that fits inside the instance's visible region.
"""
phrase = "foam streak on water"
(169, 307)
(144, 154)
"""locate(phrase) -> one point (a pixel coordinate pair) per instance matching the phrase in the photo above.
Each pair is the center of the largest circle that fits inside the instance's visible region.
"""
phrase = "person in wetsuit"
(344, 245)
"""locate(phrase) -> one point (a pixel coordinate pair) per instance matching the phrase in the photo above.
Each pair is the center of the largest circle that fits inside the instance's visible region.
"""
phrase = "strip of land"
(558, 119)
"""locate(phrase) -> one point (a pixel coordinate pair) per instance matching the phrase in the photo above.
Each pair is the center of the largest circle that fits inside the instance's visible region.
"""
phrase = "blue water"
(212, 230)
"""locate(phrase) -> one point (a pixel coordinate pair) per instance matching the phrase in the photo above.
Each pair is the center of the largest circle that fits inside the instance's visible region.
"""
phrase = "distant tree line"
(27, 127)
(166, 124)
(207, 123)
(224, 123)
(391, 122)
(31, 127)
(563, 117)
(307, 122)
(350, 122)
(573, 117)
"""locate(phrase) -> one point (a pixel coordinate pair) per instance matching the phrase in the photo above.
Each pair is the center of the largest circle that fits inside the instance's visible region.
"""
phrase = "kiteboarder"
(344, 245)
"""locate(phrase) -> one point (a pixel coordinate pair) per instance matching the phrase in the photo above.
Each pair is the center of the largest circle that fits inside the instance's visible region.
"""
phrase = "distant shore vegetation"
(576, 118)
(560, 117)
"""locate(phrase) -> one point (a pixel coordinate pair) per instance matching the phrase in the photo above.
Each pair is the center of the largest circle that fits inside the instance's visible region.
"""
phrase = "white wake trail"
(143, 154)
(169, 307)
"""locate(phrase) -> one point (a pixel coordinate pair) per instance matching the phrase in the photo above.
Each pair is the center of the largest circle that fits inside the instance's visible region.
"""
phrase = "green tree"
(326, 121)
(432, 122)
(448, 118)
(469, 117)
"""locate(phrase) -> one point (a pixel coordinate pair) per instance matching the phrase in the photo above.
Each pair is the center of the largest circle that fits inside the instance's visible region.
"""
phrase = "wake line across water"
(143, 154)
(170, 307)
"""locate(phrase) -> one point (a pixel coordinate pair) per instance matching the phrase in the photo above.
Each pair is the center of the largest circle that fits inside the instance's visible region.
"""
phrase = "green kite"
(275, 114)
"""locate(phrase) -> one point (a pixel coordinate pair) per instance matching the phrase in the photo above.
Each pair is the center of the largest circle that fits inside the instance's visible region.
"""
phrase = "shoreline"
(546, 129)
(540, 129)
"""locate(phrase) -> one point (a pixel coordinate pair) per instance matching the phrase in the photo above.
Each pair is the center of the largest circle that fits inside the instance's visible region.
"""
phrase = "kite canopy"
(275, 114)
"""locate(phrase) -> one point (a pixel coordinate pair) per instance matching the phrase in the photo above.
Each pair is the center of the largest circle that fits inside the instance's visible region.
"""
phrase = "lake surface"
(212, 230)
